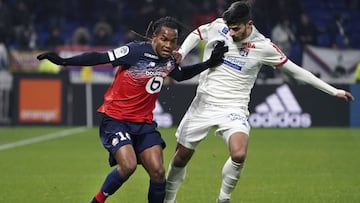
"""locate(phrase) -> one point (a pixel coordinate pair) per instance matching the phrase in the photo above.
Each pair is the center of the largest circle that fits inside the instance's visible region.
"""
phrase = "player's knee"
(238, 157)
(182, 157)
(180, 161)
(158, 174)
(126, 170)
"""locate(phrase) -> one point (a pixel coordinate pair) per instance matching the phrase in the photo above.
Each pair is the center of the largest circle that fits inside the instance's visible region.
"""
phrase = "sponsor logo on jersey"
(234, 62)
(155, 73)
(151, 55)
(280, 109)
(248, 45)
(223, 32)
(154, 85)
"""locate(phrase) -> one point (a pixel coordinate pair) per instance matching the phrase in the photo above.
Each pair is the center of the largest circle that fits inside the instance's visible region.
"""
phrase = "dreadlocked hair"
(167, 21)
(155, 27)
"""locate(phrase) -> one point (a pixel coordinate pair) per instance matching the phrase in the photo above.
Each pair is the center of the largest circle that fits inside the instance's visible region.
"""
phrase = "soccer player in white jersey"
(223, 94)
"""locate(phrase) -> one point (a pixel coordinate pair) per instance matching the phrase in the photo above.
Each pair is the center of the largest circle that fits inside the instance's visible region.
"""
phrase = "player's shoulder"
(132, 51)
(215, 28)
(217, 22)
(263, 43)
(132, 46)
(137, 45)
(260, 40)
(258, 37)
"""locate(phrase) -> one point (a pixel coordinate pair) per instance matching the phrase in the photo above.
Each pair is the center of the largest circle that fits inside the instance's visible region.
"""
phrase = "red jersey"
(137, 83)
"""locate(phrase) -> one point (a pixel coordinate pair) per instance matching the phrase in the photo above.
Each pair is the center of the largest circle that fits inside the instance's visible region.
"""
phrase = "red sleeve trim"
(282, 63)
(199, 33)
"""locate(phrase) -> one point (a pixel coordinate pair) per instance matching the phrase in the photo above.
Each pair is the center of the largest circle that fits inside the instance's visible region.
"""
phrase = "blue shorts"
(115, 134)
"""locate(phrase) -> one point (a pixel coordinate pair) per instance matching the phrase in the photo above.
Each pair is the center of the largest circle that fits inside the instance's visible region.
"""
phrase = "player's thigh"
(232, 121)
(193, 129)
(152, 160)
(195, 125)
(182, 155)
(115, 137)
(126, 158)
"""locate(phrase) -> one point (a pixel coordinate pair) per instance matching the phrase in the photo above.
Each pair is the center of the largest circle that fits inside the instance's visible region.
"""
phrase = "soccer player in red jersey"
(127, 129)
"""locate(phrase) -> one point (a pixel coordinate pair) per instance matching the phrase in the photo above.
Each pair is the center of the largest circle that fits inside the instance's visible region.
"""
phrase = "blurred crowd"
(44, 25)
(31, 24)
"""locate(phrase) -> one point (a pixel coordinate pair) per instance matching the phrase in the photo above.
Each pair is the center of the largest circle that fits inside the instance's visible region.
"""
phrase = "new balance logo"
(280, 109)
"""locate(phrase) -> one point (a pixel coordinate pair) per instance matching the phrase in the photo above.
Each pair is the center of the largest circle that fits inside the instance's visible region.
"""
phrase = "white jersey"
(231, 82)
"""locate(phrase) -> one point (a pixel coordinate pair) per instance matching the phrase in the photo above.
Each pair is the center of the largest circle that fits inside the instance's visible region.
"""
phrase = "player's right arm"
(116, 57)
(190, 42)
(85, 59)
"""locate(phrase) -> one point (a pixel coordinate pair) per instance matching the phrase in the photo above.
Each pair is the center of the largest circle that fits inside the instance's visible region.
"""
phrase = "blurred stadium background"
(304, 145)
(322, 36)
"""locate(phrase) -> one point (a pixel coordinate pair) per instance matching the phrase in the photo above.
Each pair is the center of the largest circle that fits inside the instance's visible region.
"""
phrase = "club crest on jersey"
(244, 52)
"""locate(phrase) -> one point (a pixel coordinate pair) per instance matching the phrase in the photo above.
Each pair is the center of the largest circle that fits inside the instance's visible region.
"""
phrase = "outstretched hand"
(217, 55)
(53, 57)
(345, 95)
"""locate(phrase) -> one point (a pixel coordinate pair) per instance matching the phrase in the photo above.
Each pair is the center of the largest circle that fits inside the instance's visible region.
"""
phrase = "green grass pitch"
(283, 166)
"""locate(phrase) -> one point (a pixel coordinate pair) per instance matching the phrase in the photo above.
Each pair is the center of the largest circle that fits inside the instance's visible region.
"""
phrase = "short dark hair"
(238, 12)
(166, 22)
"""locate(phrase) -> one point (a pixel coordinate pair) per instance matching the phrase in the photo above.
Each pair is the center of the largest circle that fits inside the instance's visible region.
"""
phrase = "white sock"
(174, 179)
(230, 175)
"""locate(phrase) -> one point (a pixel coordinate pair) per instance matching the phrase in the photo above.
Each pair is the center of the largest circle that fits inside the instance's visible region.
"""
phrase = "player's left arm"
(305, 76)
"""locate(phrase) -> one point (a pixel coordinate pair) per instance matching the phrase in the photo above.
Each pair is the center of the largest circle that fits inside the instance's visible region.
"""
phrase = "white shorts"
(201, 117)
